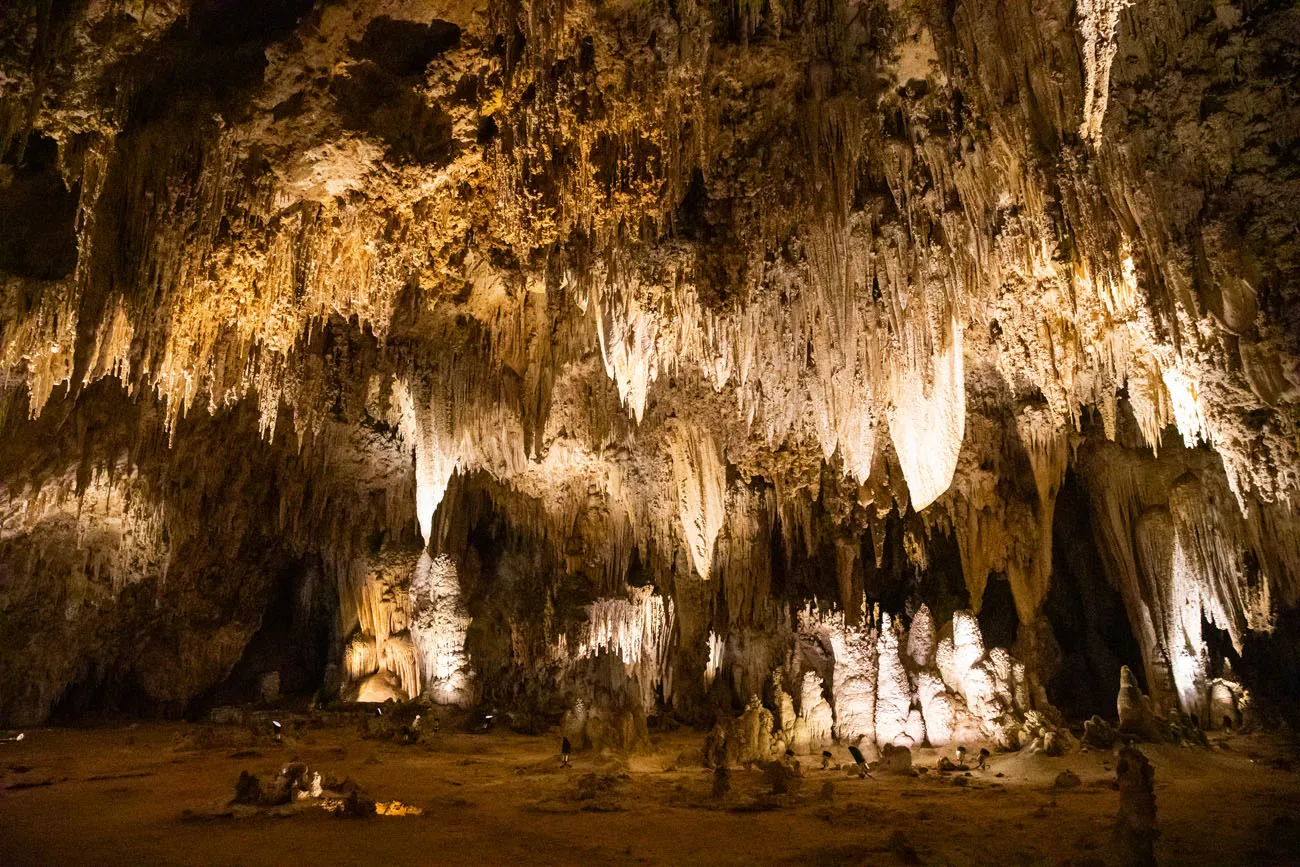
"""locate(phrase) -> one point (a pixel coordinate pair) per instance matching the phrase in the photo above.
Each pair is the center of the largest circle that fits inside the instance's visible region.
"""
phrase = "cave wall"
(752, 303)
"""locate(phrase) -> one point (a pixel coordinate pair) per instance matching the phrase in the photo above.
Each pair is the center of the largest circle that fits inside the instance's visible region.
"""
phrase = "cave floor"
(155, 793)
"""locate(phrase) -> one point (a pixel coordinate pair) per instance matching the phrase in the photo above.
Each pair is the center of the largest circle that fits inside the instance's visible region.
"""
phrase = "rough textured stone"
(658, 321)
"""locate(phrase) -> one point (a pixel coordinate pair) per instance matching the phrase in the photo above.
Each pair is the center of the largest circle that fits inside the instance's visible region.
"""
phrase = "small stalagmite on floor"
(1135, 824)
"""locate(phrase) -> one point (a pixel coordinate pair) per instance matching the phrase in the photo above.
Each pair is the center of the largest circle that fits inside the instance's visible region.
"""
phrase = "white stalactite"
(927, 420)
(637, 630)
(701, 479)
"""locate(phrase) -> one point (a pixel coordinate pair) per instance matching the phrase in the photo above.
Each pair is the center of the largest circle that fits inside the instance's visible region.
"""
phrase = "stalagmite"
(786, 718)
(921, 638)
(1135, 823)
(937, 708)
(854, 680)
(438, 626)
(1136, 715)
(815, 712)
(893, 690)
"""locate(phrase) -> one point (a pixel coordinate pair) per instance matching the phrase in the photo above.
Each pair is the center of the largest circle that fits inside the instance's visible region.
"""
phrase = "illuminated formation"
(900, 371)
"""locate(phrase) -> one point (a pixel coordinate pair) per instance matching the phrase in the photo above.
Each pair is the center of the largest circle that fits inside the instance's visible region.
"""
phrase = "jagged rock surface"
(591, 299)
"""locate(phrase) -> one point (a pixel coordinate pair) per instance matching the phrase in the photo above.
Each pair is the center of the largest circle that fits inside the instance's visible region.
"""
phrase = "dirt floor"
(157, 793)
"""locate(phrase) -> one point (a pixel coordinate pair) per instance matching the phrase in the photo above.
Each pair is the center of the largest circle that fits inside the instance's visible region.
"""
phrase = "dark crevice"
(1086, 613)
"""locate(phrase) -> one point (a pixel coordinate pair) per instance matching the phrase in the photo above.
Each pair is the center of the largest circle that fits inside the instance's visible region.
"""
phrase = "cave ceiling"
(652, 282)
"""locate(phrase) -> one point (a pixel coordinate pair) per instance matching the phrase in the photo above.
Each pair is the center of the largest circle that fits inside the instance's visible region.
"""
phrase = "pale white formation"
(945, 659)
(717, 647)
(957, 693)
(938, 708)
(983, 699)
(1185, 402)
(914, 728)
(927, 420)
(637, 630)
(438, 626)
(921, 638)
(427, 424)
(701, 480)
(854, 678)
(968, 642)
(816, 718)
(628, 335)
(633, 629)
(893, 690)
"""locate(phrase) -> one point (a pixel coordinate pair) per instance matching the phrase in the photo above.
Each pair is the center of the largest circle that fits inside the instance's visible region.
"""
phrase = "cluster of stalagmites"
(1231, 708)
(893, 687)
(933, 686)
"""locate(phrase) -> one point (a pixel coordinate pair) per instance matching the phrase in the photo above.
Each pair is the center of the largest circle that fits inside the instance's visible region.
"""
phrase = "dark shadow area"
(291, 650)
(38, 237)
(1086, 613)
(374, 101)
(100, 697)
(405, 47)
(210, 60)
(998, 619)
(1270, 666)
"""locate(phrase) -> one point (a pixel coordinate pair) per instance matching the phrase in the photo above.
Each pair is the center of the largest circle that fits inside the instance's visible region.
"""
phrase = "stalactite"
(713, 662)
(637, 631)
(1177, 544)
(928, 419)
(1098, 23)
(701, 480)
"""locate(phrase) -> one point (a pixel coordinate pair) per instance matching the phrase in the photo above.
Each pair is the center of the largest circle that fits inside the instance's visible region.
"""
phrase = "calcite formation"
(957, 693)
(520, 352)
(438, 626)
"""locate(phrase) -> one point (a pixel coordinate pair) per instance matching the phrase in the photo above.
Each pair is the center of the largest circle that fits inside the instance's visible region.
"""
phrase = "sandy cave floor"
(155, 794)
